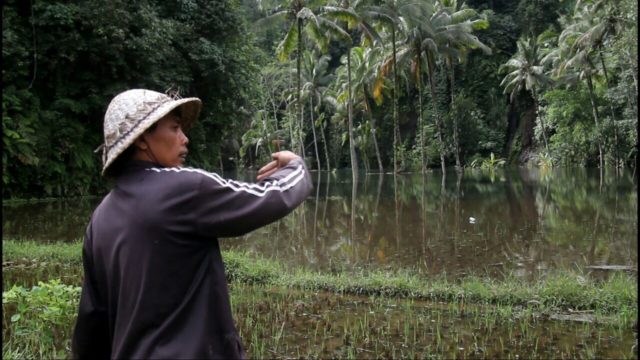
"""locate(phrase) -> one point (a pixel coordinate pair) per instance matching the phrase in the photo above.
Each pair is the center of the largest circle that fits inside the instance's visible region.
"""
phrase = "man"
(154, 284)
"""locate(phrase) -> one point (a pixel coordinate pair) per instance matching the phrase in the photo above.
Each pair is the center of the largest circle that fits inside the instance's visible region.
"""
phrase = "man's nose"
(185, 139)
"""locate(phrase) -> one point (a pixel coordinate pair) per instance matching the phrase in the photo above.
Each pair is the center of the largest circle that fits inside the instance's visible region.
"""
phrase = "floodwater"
(292, 324)
(517, 220)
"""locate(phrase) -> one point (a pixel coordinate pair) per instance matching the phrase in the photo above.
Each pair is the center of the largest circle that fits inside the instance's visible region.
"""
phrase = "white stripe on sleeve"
(255, 189)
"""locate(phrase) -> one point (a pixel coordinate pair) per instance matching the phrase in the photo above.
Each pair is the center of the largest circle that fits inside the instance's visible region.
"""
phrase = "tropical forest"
(473, 163)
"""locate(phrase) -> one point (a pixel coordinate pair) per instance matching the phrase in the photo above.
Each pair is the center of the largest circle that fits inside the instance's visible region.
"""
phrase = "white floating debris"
(472, 220)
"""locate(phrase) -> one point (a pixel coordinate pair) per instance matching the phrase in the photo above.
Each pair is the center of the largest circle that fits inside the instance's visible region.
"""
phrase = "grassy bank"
(34, 262)
(288, 312)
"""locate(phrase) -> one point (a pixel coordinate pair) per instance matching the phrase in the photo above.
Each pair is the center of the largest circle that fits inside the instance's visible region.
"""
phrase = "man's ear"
(140, 143)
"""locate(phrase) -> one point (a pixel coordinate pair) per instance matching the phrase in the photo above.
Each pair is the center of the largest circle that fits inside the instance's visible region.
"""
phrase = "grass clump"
(242, 268)
(17, 251)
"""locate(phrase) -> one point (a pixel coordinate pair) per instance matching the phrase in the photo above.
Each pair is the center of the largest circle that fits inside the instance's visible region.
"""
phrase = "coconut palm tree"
(454, 25)
(419, 42)
(525, 71)
(388, 15)
(301, 17)
(595, 26)
(349, 14)
(316, 77)
(396, 16)
(365, 74)
(572, 63)
(364, 62)
(343, 35)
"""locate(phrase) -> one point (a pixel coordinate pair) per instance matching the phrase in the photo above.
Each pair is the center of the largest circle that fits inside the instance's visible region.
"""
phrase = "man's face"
(167, 142)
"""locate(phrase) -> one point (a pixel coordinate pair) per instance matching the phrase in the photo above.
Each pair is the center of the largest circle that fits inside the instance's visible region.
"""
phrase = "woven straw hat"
(132, 112)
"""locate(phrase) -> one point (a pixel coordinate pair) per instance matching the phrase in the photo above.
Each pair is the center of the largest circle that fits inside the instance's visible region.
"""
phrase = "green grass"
(20, 251)
(560, 289)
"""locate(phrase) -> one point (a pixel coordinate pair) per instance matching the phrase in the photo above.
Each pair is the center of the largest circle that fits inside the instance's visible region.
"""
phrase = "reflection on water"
(516, 220)
(48, 221)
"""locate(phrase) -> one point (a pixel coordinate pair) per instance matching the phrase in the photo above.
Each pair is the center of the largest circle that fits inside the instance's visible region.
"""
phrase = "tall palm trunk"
(372, 120)
(292, 115)
(326, 147)
(396, 126)
(456, 141)
(352, 144)
(596, 119)
(420, 119)
(315, 139)
(434, 99)
(615, 127)
(299, 93)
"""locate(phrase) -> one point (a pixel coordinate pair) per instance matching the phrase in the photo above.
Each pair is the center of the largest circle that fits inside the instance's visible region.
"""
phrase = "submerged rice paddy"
(517, 263)
(283, 312)
(283, 324)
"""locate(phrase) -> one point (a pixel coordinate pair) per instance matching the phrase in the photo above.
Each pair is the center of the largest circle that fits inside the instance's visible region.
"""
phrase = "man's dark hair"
(117, 166)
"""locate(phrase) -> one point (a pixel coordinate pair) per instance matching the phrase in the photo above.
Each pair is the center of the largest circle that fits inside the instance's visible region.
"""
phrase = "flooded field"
(516, 220)
(453, 258)
(275, 323)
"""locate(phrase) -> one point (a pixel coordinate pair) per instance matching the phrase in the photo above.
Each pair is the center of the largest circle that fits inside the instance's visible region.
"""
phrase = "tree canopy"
(407, 86)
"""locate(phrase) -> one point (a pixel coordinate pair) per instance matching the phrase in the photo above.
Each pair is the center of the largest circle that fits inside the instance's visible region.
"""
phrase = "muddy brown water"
(516, 220)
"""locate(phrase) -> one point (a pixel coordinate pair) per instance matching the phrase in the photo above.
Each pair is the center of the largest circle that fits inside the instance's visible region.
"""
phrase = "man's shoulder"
(187, 175)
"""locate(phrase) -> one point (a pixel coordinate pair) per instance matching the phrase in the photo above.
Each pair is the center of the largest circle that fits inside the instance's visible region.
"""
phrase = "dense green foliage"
(459, 103)
(393, 84)
(41, 320)
(64, 61)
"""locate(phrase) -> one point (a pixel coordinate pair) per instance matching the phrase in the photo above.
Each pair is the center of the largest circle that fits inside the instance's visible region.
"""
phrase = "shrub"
(39, 321)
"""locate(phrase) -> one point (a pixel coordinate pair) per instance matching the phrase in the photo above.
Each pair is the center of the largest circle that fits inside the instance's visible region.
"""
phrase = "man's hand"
(280, 159)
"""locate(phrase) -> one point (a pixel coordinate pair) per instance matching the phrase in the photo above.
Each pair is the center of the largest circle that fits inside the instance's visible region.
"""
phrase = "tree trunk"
(456, 142)
(615, 127)
(438, 122)
(420, 119)
(394, 92)
(365, 160)
(315, 139)
(352, 143)
(354, 195)
(299, 93)
(326, 147)
(596, 119)
(373, 130)
(292, 118)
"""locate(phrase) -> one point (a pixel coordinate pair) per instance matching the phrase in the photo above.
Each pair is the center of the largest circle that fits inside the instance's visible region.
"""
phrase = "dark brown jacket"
(154, 284)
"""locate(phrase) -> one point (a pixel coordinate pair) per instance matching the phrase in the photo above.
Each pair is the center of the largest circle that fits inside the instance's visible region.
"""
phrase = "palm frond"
(335, 30)
(342, 14)
(369, 33)
(306, 14)
(430, 45)
(463, 15)
(288, 44)
(270, 20)
(317, 36)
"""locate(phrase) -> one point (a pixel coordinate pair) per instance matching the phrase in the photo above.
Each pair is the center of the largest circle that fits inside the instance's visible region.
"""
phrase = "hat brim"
(190, 110)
